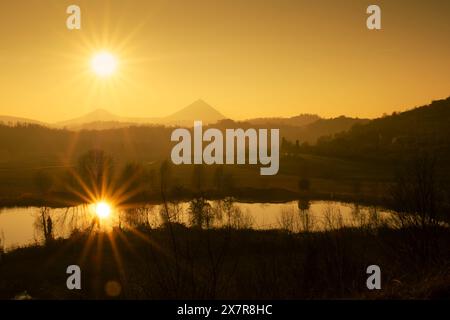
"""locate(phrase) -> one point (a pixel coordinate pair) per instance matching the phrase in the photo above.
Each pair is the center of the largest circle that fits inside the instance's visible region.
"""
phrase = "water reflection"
(26, 226)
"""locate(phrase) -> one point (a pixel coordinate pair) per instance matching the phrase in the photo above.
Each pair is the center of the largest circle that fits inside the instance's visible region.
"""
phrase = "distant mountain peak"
(200, 101)
(100, 110)
(198, 110)
(200, 104)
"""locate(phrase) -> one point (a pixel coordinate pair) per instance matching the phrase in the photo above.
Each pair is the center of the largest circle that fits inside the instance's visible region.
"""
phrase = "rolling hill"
(304, 127)
(422, 129)
(296, 121)
(8, 120)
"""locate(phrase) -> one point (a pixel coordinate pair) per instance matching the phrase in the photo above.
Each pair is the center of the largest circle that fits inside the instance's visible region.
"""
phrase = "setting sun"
(104, 64)
(102, 210)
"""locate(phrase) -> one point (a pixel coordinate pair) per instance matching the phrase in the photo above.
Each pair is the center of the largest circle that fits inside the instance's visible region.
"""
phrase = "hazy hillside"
(133, 142)
(297, 121)
(305, 127)
(423, 128)
(8, 120)
(99, 115)
(309, 133)
(104, 125)
(325, 127)
(102, 119)
(37, 144)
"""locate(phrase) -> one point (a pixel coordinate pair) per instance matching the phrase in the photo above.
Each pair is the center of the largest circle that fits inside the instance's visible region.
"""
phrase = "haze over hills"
(384, 139)
(297, 121)
(306, 127)
(310, 132)
(324, 127)
(9, 120)
(99, 115)
(103, 119)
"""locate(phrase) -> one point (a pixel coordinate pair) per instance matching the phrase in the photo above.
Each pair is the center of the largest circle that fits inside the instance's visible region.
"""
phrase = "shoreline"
(247, 195)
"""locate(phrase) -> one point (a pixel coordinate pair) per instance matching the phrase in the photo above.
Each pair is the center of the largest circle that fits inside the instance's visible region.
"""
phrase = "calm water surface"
(23, 226)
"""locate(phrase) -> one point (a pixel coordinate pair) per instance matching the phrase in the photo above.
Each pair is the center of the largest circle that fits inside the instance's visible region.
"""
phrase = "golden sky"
(247, 58)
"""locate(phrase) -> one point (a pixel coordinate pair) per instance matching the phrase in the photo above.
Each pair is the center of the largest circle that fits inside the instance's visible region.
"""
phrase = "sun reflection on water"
(103, 210)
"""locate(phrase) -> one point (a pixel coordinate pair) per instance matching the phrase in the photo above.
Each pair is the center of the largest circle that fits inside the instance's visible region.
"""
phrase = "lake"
(23, 226)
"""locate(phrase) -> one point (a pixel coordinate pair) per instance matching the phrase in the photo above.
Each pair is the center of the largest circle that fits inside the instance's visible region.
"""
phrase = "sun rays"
(102, 62)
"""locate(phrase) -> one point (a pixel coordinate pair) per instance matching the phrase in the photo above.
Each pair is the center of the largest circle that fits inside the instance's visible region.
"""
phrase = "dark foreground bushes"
(176, 262)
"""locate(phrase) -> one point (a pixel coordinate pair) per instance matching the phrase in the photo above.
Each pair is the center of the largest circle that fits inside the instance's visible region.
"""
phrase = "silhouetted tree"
(201, 213)
(132, 180)
(306, 219)
(304, 184)
(164, 173)
(303, 204)
(44, 224)
(416, 194)
(43, 182)
(218, 179)
(95, 170)
(2, 246)
(198, 177)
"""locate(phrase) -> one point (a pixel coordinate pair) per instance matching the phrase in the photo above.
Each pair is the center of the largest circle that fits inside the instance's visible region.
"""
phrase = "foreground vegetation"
(193, 263)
